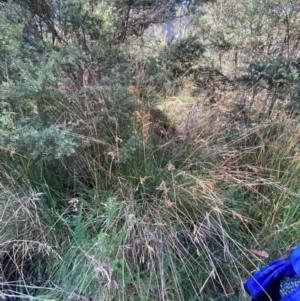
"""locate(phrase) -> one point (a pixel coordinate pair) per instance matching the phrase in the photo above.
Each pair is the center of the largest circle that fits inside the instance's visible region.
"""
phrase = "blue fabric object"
(264, 285)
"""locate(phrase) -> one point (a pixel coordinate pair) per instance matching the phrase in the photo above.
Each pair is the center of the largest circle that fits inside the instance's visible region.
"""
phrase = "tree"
(255, 43)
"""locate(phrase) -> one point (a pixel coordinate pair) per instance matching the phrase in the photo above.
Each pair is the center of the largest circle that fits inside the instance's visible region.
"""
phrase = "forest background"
(149, 150)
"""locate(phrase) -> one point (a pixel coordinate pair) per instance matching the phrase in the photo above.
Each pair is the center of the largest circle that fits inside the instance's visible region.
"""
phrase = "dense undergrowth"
(138, 168)
(156, 219)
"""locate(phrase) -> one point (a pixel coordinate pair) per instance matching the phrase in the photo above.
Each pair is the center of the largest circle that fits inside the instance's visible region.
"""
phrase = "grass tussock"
(150, 218)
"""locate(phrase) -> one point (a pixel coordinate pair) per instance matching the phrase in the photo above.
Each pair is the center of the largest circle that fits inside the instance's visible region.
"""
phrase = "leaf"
(259, 253)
